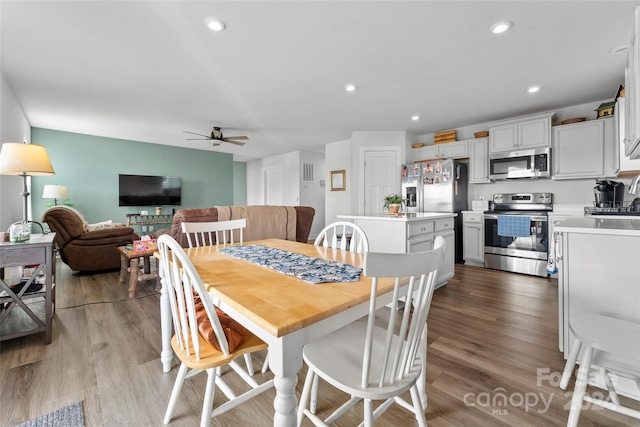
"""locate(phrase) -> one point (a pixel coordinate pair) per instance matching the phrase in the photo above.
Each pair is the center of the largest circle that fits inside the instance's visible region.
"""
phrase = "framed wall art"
(338, 180)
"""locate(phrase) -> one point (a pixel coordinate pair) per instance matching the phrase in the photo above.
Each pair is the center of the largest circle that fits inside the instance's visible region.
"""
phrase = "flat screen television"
(146, 190)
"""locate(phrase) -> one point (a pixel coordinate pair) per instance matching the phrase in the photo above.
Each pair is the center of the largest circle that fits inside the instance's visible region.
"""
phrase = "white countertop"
(600, 225)
(417, 216)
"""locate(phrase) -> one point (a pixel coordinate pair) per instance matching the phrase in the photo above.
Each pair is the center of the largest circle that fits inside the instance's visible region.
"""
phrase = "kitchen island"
(410, 232)
(599, 273)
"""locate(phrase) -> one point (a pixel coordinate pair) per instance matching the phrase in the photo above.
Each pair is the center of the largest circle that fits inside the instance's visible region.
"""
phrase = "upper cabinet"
(449, 150)
(522, 133)
(479, 161)
(631, 79)
(626, 164)
(585, 150)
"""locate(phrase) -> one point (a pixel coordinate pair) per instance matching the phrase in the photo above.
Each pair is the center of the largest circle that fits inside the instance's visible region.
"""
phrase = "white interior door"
(273, 183)
(381, 176)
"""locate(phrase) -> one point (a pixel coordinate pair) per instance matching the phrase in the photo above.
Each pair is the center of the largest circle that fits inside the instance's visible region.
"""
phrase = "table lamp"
(55, 192)
(24, 160)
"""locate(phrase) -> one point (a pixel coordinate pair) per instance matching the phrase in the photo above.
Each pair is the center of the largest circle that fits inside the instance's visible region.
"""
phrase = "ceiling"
(150, 70)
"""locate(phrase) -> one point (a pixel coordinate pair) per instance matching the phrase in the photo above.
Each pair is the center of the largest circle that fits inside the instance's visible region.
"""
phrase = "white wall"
(346, 155)
(256, 169)
(295, 193)
(312, 193)
(337, 156)
(14, 127)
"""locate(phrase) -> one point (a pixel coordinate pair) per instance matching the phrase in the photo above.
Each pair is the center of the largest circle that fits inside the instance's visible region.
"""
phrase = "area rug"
(68, 416)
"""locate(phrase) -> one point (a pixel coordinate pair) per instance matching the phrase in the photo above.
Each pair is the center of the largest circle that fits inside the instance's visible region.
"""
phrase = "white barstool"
(613, 346)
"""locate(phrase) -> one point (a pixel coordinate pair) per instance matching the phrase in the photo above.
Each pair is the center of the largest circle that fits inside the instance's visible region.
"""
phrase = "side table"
(130, 262)
(23, 313)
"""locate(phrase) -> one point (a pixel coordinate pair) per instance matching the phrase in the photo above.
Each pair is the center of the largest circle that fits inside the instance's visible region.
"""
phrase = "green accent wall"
(89, 166)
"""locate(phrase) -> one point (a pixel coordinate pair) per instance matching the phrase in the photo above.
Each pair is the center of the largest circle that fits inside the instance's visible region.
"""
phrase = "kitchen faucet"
(633, 187)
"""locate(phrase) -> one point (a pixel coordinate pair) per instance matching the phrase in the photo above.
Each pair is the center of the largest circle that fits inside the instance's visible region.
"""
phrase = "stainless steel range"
(516, 233)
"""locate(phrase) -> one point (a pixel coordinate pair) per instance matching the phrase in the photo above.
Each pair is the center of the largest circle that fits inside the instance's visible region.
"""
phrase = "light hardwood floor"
(493, 360)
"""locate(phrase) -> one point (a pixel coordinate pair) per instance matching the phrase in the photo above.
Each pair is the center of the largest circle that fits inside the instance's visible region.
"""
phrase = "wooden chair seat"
(210, 357)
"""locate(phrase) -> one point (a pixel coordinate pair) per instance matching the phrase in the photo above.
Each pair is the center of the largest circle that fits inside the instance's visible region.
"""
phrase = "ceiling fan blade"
(199, 134)
(244, 138)
(232, 141)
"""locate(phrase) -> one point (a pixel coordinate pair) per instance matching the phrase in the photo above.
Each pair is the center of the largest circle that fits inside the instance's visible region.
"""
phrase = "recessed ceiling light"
(215, 25)
(415, 118)
(533, 89)
(620, 49)
(350, 87)
(500, 27)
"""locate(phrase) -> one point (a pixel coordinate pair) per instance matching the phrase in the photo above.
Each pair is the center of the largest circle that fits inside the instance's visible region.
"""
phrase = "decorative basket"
(574, 120)
(445, 136)
(481, 134)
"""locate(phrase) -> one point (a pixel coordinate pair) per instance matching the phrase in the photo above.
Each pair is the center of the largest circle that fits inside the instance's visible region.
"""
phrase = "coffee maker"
(608, 194)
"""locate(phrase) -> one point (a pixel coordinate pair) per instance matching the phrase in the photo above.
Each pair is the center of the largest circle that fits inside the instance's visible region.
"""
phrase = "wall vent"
(307, 172)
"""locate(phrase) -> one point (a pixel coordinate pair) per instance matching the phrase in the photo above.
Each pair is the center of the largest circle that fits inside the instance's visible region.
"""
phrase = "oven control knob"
(544, 198)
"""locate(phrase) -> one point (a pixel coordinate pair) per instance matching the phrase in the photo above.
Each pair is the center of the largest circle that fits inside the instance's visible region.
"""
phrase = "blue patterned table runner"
(311, 270)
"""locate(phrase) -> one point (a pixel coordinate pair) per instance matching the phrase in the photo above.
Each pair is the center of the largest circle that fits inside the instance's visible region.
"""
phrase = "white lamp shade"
(55, 192)
(24, 159)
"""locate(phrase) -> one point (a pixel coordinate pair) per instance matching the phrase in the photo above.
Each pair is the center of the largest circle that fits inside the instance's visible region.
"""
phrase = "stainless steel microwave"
(532, 163)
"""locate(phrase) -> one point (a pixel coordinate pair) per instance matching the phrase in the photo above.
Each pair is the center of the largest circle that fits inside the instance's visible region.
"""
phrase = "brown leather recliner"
(84, 250)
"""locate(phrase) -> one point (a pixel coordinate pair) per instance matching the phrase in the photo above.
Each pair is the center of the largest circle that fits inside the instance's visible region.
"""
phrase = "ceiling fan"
(216, 135)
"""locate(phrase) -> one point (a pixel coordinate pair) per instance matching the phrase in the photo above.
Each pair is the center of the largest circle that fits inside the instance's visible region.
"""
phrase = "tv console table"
(137, 219)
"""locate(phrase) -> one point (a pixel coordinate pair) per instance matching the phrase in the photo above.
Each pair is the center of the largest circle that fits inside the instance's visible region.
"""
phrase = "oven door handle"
(533, 218)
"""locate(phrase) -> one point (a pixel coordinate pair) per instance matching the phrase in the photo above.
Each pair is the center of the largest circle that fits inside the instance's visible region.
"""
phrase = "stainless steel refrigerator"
(437, 186)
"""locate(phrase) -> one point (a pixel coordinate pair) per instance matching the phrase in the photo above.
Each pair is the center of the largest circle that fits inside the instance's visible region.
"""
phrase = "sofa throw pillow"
(99, 225)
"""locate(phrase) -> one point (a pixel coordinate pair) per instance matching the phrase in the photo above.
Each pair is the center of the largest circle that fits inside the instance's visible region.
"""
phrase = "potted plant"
(393, 202)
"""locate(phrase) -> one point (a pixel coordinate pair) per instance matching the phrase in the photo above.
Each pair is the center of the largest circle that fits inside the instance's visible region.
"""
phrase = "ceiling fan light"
(216, 25)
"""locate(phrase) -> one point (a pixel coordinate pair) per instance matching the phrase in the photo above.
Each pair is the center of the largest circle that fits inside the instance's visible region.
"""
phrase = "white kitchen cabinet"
(585, 150)
(522, 133)
(406, 234)
(479, 161)
(632, 93)
(444, 228)
(448, 150)
(473, 238)
(600, 275)
(555, 244)
(626, 164)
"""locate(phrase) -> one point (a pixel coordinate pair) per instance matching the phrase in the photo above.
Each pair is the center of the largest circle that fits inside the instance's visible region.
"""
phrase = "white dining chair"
(343, 235)
(375, 363)
(604, 342)
(202, 233)
(183, 284)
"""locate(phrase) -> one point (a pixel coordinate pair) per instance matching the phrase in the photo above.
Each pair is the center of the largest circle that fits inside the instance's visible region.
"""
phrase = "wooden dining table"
(284, 311)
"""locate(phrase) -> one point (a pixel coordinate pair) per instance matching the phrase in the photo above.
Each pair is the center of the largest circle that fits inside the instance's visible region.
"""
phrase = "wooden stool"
(130, 262)
(604, 341)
